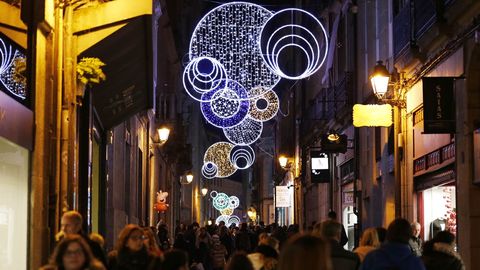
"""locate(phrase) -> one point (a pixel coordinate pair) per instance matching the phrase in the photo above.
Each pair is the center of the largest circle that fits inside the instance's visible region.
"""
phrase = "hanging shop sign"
(283, 196)
(438, 105)
(372, 115)
(320, 172)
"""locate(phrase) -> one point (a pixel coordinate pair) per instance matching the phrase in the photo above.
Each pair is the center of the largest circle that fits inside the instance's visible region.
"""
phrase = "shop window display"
(439, 210)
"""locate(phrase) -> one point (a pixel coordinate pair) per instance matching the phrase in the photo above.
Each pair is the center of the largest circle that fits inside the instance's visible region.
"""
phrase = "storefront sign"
(320, 172)
(372, 115)
(283, 196)
(348, 197)
(16, 122)
(438, 105)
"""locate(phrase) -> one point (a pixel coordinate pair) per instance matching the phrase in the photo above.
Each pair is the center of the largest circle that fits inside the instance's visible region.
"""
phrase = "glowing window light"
(296, 36)
(201, 75)
(372, 115)
(219, 154)
(242, 157)
(270, 109)
(230, 34)
(226, 109)
(245, 133)
(8, 55)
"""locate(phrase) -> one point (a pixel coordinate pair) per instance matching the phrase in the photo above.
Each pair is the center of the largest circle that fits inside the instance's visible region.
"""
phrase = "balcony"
(437, 158)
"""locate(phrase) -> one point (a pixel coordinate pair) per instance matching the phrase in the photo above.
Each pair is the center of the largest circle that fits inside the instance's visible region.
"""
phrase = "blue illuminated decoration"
(225, 205)
(8, 57)
(238, 53)
(201, 75)
(225, 106)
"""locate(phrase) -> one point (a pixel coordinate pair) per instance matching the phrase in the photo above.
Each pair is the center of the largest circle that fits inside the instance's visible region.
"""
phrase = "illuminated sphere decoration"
(233, 219)
(209, 170)
(242, 157)
(201, 75)
(221, 201)
(8, 57)
(225, 205)
(234, 202)
(245, 133)
(264, 107)
(279, 39)
(227, 211)
(230, 34)
(219, 154)
(227, 105)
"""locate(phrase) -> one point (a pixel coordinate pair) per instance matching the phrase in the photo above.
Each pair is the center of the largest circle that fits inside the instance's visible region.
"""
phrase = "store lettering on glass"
(438, 91)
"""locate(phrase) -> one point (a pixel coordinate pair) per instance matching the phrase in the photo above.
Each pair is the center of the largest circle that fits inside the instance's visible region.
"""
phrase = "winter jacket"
(392, 256)
(442, 257)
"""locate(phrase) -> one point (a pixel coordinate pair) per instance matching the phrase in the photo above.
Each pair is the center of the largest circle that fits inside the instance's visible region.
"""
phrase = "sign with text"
(438, 105)
(283, 196)
(320, 172)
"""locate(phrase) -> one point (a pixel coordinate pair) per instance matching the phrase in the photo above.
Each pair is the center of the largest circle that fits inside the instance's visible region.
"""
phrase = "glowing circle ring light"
(201, 75)
(209, 170)
(234, 202)
(219, 154)
(245, 133)
(293, 36)
(242, 157)
(213, 194)
(230, 34)
(233, 219)
(227, 105)
(221, 201)
(270, 109)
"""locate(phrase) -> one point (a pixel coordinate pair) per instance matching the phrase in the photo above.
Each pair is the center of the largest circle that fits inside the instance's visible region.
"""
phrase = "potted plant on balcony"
(89, 71)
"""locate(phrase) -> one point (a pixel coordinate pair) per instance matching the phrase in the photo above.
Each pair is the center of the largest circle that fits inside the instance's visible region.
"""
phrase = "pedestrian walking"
(305, 252)
(368, 242)
(439, 253)
(73, 253)
(175, 260)
(395, 253)
(131, 253)
(239, 261)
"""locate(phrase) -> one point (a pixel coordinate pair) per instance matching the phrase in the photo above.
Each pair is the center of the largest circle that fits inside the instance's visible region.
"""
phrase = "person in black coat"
(71, 224)
(439, 253)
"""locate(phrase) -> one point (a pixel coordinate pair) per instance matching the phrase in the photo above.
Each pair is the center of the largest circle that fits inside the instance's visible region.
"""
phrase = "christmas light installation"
(276, 42)
(209, 170)
(238, 53)
(201, 75)
(242, 157)
(8, 56)
(230, 34)
(219, 154)
(265, 106)
(245, 133)
(225, 205)
(227, 105)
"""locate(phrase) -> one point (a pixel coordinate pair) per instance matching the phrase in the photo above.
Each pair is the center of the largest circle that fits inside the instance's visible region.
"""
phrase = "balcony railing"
(436, 157)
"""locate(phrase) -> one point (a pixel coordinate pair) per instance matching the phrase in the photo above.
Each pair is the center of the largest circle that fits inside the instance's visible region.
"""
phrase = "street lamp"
(252, 213)
(163, 134)
(189, 177)
(204, 191)
(380, 80)
(283, 160)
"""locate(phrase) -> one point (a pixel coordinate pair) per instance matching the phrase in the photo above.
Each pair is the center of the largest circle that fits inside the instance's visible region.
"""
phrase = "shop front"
(15, 146)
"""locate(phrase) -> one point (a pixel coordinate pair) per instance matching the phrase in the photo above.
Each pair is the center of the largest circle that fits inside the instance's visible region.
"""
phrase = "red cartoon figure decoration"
(161, 205)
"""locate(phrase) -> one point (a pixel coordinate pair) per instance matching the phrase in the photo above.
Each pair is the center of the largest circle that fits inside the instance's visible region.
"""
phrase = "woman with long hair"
(73, 253)
(131, 253)
(368, 242)
(305, 252)
(150, 242)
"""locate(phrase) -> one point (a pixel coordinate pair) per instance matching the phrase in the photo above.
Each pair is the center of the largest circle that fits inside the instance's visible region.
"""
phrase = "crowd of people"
(253, 247)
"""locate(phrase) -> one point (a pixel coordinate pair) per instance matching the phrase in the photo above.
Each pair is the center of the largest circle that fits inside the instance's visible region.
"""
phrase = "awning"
(439, 177)
(128, 88)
